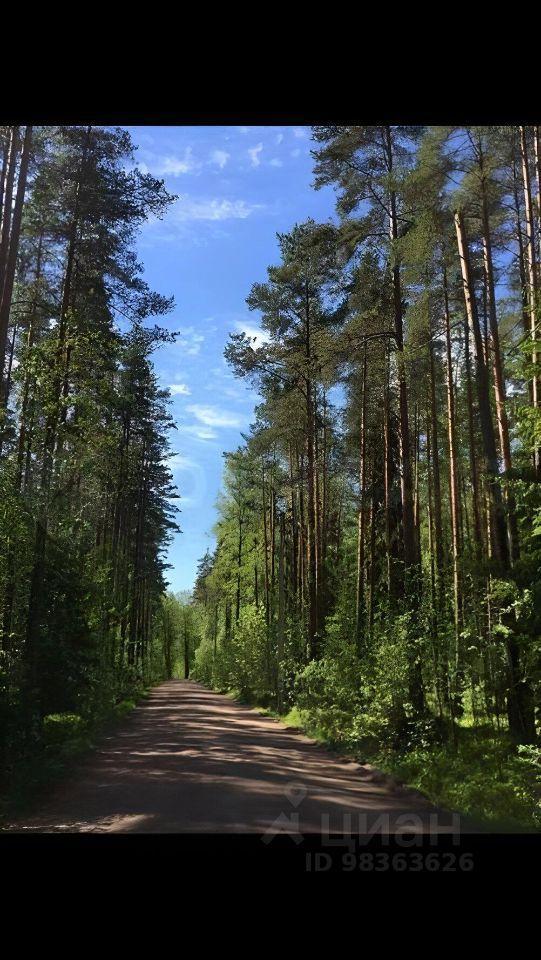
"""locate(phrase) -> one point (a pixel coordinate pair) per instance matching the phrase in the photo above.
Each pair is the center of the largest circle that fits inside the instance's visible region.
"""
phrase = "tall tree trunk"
(521, 255)
(453, 464)
(532, 273)
(537, 154)
(281, 615)
(410, 552)
(411, 558)
(239, 565)
(7, 205)
(499, 538)
(312, 638)
(28, 378)
(11, 263)
(361, 512)
(499, 381)
(438, 527)
(186, 647)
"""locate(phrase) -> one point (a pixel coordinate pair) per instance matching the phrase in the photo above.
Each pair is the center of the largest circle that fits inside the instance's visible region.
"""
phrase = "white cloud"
(200, 432)
(171, 164)
(253, 153)
(251, 330)
(189, 341)
(179, 390)
(243, 129)
(189, 208)
(177, 461)
(300, 132)
(213, 417)
(279, 138)
(220, 158)
(296, 152)
(275, 162)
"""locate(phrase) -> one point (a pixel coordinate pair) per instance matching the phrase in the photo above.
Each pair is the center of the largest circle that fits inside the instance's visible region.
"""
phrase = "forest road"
(190, 760)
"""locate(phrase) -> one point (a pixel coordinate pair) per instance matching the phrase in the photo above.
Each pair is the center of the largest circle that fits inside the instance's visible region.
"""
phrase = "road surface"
(190, 760)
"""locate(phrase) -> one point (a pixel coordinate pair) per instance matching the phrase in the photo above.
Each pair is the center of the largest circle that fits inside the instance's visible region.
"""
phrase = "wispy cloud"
(192, 208)
(296, 152)
(177, 461)
(179, 390)
(276, 162)
(189, 341)
(198, 431)
(243, 129)
(279, 138)
(213, 416)
(300, 132)
(220, 158)
(253, 153)
(170, 164)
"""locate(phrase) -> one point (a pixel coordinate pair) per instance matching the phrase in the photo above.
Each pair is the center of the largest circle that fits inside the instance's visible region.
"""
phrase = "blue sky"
(237, 187)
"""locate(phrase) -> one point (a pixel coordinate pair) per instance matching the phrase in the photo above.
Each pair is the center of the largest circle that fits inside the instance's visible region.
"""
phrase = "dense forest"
(87, 497)
(376, 576)
(377, 568)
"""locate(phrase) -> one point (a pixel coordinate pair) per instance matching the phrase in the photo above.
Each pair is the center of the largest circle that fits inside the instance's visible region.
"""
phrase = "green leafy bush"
(124, 707)
(60, 727)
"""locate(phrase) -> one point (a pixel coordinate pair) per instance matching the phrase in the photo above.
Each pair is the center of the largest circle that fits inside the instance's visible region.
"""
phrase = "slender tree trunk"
(11, 263)
(361, 512)
(521, 257)
(438, 527)
(499, 539)
(266, 549)
(387, 484)
(281, 615)
(239, 565)
(312, 638)
(499, 382)
(186, 647)
(28, 379)
(7, 205)
(453, 465)
(410, 552)
(537, 154)
(532, 273)
(411, 558)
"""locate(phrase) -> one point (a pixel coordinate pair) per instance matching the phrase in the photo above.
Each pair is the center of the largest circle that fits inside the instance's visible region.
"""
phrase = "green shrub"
(61, 727)
(124, 707)
(329, 691)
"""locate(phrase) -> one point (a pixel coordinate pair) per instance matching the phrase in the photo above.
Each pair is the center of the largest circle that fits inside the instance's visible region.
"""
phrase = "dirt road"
(189, 760)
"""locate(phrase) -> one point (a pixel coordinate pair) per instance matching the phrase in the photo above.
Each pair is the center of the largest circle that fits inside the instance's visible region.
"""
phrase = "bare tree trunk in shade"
(3, 176)
(532, 272)
(186, 646)
(372, 572)
(281, 614)
(11, 262)
(28, 380)
(436, 657)
(454, 498)
(537, 154)
(7, 204)
(386, 483)
(361, 512)
(410, 552)
(266, 549)
(438, 526)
